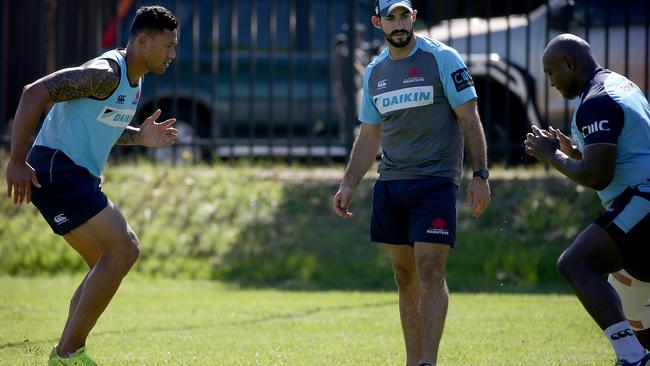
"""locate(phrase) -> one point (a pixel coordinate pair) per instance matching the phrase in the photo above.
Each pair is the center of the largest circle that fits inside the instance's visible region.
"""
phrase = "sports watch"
(481, 173)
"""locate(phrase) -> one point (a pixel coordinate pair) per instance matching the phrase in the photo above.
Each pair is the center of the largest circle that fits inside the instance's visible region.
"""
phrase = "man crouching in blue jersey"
(611, 131)
(94, 104)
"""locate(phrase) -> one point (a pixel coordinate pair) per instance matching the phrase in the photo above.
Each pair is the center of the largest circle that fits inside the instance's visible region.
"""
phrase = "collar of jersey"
(589, 82)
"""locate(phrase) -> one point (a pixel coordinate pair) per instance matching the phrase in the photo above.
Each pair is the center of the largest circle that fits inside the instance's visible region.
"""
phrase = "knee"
(431, 272)
(405, 278)
(132, 253)
(567, 266)
(127, 253)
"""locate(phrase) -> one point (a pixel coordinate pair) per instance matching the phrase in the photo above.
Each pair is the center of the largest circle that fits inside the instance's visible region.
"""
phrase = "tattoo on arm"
(128, 136)
(81, 82)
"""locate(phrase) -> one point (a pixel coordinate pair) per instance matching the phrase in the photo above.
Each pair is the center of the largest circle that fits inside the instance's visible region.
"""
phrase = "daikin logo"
(404, 98)
(116, 117)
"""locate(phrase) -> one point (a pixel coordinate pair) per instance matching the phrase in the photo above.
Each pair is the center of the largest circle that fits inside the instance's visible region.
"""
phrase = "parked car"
(504, 55)
(251, 80)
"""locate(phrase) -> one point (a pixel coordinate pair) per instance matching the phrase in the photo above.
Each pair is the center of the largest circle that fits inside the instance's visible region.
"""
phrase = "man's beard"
(399, 44)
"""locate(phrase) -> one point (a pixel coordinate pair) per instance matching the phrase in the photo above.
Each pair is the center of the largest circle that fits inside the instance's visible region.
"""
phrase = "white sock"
(624, 342)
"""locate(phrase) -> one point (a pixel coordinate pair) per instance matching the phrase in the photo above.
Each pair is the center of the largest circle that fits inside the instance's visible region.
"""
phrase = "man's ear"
(569, 63)
(143, 39)
(376, 21)
(414, 15)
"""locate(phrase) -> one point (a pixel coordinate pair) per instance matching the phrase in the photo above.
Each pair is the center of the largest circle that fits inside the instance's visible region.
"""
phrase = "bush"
(267, 226)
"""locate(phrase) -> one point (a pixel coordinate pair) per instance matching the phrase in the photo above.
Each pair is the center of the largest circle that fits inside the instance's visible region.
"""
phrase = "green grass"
(196, 322)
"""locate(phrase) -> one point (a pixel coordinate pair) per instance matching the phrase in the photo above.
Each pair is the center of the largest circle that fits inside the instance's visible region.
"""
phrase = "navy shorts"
(406, 211)
(628, 223)
(69, 194)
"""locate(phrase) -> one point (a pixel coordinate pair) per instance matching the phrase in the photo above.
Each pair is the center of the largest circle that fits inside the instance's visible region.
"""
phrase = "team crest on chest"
(413, 76)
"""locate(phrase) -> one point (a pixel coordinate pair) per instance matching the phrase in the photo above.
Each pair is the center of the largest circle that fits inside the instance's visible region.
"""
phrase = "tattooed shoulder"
(96, 78)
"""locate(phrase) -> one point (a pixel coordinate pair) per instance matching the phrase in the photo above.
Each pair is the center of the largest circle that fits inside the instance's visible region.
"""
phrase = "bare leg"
(110, 232)
(403, 261)
(91, 255)
(431, 261)
(585, 265)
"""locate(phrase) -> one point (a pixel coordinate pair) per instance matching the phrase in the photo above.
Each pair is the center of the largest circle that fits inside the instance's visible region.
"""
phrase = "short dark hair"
(153, 18)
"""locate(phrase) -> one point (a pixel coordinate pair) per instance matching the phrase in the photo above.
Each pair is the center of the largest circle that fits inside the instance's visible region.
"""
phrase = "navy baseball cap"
(383, 7)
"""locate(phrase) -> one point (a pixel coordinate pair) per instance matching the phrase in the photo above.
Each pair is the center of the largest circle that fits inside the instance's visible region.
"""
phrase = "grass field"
(194, 322)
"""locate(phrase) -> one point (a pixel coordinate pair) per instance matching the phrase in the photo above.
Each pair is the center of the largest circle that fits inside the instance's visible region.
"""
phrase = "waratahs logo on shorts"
(116, 117)
(438, 227)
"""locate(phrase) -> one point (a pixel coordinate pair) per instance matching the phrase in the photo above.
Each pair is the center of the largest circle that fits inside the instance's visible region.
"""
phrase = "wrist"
(137, 137)
(482, 174)
(345, 186)
(17, 157)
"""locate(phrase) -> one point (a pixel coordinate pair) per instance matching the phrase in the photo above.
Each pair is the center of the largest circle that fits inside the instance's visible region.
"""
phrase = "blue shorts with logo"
(406, 211)
(628, 223)
(69, 194)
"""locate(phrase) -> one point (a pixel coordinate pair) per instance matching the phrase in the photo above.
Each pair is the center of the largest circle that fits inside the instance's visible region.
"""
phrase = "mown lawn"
(197, 322)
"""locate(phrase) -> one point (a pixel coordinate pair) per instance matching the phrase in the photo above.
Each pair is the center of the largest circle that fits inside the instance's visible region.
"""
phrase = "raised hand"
(541, 144)
(566, 146)
(157, 134)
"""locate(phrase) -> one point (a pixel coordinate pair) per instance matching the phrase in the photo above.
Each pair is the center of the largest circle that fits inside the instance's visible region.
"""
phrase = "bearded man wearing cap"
(419, 105)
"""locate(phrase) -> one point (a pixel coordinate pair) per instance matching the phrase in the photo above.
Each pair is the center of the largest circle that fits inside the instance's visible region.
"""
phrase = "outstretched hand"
(541, 144)
(158, 134)
(566, 146)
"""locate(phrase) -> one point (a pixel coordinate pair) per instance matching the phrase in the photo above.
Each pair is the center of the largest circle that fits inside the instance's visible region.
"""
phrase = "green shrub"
(261, 225)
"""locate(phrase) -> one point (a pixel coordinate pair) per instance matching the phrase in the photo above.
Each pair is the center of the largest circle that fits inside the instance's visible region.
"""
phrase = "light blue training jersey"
(613, 110)
(414, 99)
(86, 129)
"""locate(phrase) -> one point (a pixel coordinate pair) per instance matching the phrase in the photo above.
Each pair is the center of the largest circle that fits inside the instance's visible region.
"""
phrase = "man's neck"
(134, 67)
(402, 52)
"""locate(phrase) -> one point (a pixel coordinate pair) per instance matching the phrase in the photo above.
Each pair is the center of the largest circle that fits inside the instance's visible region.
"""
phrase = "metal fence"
(275, 79)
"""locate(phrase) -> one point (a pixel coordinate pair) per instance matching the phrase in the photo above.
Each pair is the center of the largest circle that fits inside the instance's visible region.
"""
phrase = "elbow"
(600, 182)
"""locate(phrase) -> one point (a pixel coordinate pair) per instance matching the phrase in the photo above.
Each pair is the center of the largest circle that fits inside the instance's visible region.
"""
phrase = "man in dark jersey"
(94, 104)
(419, 103)
(610, 153)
